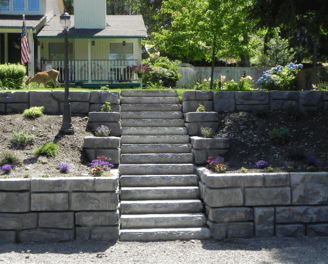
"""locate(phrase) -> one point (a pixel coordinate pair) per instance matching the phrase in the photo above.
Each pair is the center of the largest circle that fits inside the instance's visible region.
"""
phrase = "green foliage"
(104, 88)
(155, 86)
(207, 132)
(7, 157)
(33, 112)
(270, 169)
(106, 107)
(201, 108)
(202, 85)
(164, 71)
(50, 149)
(12, 76)
(26, 175)
(243, 169)
(102, 131)
(280, 135)
(21, 138)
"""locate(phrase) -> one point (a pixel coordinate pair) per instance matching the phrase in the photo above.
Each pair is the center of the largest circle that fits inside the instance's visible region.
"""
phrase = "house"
(37, 14)
(102, 48)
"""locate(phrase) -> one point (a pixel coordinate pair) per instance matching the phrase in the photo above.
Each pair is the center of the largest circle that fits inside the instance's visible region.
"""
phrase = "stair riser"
(156, 158)
(154, 131)
(150, 100)
(150, 107)
(158, 180)
(155, 148)
(165, 234)
(152, 123)
(138, 169)
(172, 139)
(151, 115)
(179, 207)
(159, 194)
(162, 221)
(158, 93)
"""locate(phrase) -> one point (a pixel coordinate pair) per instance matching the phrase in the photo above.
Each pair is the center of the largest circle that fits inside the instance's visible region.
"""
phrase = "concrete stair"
(159, 190)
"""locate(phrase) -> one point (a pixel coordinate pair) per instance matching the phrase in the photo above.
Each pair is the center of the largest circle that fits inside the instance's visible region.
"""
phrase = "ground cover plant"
(33, 112)
(50, 149)
(20, 138)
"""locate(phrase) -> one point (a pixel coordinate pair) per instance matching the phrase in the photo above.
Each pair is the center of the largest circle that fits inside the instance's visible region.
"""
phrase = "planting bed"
(45, 129)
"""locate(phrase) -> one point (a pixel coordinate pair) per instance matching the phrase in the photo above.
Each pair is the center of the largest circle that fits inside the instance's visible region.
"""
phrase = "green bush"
(21, 138)
(164, 71)
(8, 157)
(12, 76)
(33, 112)
(280, 135)
(50, 150)
(106, 107)
(207, 132)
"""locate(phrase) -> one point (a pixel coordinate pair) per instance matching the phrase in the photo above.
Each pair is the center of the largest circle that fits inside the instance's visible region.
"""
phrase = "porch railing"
(101, 70)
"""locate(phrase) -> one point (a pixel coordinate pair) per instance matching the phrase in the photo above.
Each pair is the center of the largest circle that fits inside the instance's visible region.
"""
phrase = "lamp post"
(67, 128)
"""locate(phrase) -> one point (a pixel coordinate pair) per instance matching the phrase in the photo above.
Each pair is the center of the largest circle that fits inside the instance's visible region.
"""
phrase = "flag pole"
(25, 51)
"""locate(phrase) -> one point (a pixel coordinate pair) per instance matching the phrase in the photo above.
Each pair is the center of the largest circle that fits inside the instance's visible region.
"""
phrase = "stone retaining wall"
(265, 205)
(255, 101)
(82, 102)
(59, 209)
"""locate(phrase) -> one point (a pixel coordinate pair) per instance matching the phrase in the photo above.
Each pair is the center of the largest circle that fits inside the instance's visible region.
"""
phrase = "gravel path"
(273, 250)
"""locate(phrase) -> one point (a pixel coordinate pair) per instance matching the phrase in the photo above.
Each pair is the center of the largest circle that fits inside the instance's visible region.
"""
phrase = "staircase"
(159, 190)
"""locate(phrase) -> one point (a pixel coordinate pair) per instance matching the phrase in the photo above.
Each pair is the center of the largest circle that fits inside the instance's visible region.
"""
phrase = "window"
(33, 5)
(57, 51)
(18, 5)
(119, 51)
(4, 5)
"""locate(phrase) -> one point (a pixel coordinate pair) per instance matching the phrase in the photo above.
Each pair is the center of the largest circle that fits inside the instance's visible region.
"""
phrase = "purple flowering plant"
(213, 162)
(63, 168)
(311, 161)
(102, 131)
(7, 168)
(100, 165)
(261, 164)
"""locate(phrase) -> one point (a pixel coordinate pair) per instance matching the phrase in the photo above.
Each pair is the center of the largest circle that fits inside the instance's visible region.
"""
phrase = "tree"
(204, 29)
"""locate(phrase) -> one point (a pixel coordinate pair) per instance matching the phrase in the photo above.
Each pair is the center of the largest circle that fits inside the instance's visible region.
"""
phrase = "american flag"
(25, 57)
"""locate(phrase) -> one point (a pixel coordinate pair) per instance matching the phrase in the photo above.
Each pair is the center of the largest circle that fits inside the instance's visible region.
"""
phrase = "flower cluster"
(261, 164)
(100, 165)
(7, 168)
(63, 168)
(201, 108)
(220, 168)
(214, 162)
(279, 77)
(102, 131)
(141, 68)
(311, 161)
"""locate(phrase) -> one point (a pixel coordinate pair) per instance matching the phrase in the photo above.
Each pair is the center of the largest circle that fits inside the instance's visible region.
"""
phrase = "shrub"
(280, 78)
(50, 149)
(102, 131)
(12, 76)
(104, 88)
(163, 69)
(21, 138)
(8, 157)
(280, 135)
(270, 169)
(33, 112)
(207, 132)
(106, 107)
(200, 108)
(155, 86)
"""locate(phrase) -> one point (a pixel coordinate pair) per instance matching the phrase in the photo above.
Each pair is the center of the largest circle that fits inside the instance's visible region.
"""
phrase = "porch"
(95, 73)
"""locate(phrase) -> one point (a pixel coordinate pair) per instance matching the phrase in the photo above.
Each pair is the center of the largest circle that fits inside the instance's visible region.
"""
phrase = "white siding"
(90, 14)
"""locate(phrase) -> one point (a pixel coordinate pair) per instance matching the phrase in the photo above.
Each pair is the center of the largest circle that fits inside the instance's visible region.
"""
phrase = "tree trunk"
(213, 61)
(315, 51)
(245, 60)
(266, 40)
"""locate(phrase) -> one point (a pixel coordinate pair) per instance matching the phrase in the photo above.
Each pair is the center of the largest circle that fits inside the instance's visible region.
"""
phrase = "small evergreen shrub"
(280, 135)
(106, 107)
(21, 138)
(34, 112)
(207, 132)
(50, 150)
(8, 157)
(12, 76)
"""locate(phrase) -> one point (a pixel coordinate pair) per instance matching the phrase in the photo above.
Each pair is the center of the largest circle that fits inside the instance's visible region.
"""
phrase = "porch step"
(150, 107)
(154, 131)
(166, 158)
(152, 123)
(150, 100)
(155, 148)
(165, 234)
(163, 220)
(139, 169)
(152, 115)
(161, 207)
(159, 193)
(149, 93)
(160, 139)
(158, 180)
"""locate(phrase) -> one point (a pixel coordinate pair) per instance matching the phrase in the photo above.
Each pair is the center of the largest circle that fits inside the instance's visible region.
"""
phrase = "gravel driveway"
(273, 250)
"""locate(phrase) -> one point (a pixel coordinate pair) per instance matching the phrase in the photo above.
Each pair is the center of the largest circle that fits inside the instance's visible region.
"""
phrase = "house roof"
(129, 26)
(16, 21)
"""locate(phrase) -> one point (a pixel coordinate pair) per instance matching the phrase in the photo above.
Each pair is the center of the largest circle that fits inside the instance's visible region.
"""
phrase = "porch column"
(31, 46)
(89, 60)
(39, 57)
(6, 47)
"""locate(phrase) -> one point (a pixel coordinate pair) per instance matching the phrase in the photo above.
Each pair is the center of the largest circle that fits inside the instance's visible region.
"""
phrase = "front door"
(14, 47)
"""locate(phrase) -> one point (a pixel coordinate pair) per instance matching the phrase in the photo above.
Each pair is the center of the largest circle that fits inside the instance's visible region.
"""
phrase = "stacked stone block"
(98, 98)
(264, 205)
(109, 119)
(191, 100)
(103, 146)
(13, 102)
(194, 121)
(202, 148)
(59, 209)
